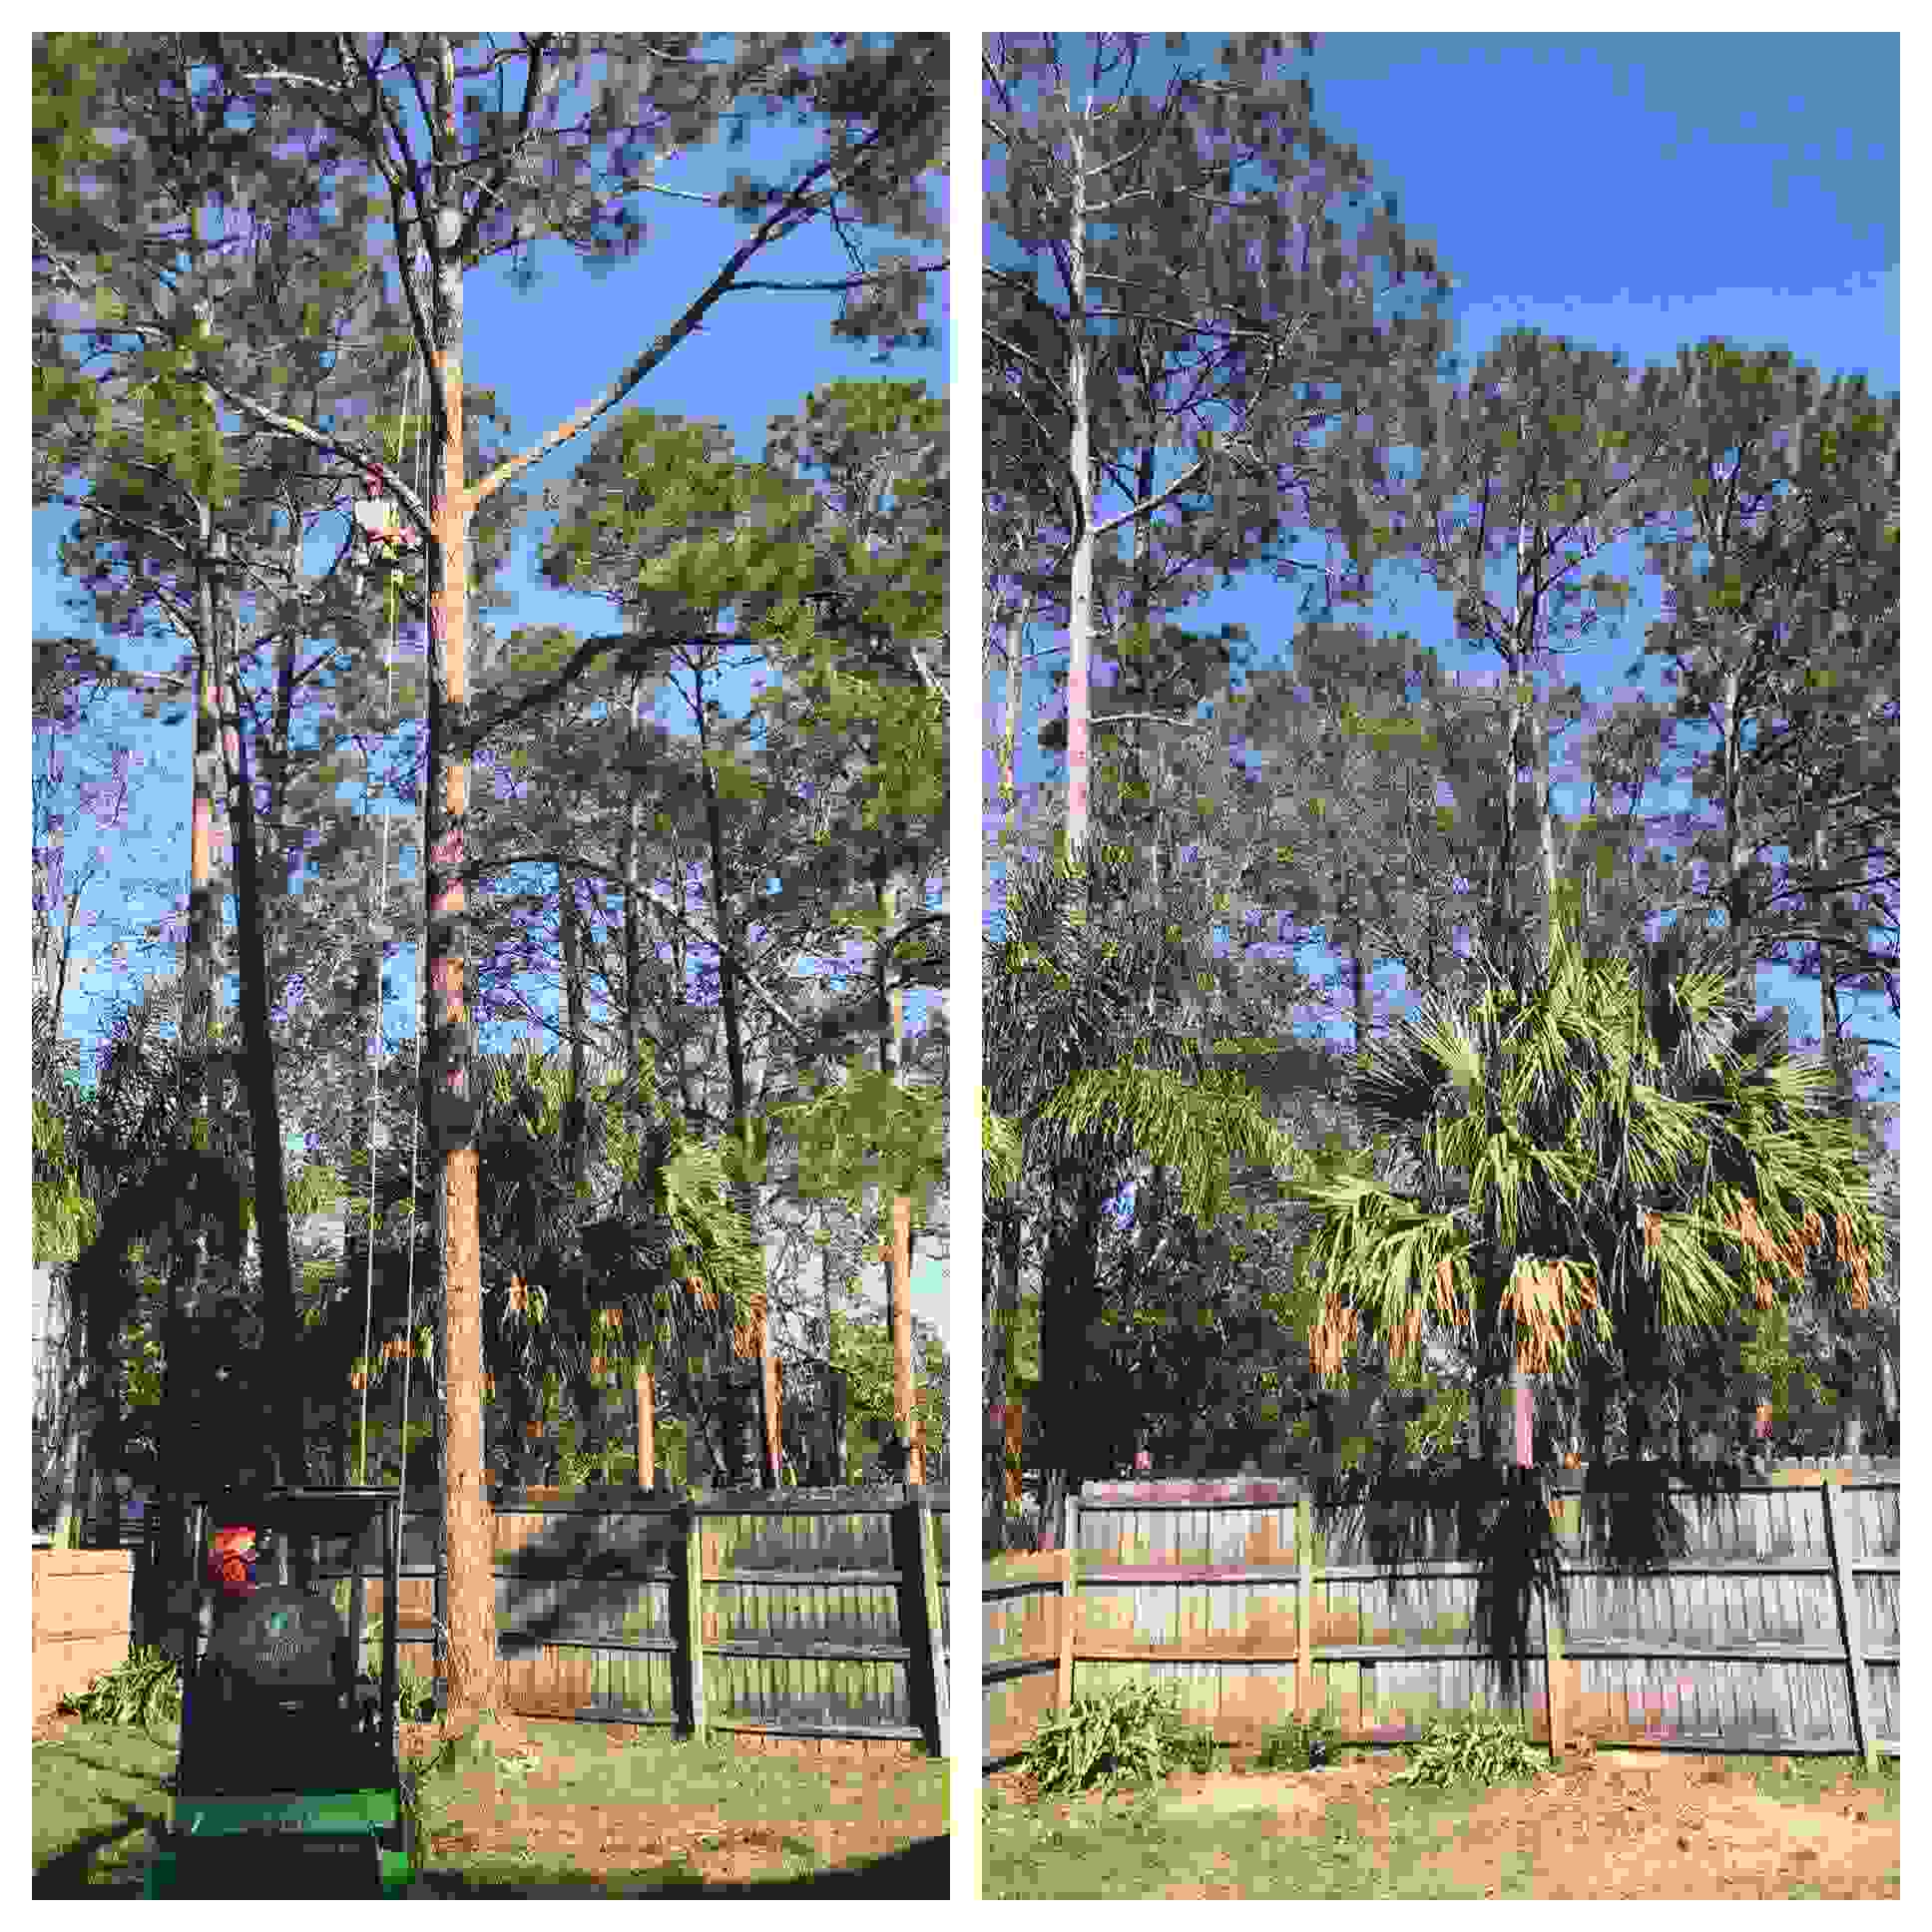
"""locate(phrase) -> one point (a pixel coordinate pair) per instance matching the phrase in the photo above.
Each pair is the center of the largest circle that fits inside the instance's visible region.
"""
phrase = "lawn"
(1616, 1826)
(559, 1808)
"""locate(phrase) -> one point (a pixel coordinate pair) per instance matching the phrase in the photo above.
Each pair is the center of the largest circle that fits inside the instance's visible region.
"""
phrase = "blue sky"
(1632, 192)
(546, 352)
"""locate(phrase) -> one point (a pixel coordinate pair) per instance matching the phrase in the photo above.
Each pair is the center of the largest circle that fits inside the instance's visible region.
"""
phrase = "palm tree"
(604, 1264)
(1603, 1166)
(1091, 1077)
(132, 1155)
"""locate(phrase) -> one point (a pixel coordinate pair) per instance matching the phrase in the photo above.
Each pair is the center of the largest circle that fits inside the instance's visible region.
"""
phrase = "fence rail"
(1778, 1630)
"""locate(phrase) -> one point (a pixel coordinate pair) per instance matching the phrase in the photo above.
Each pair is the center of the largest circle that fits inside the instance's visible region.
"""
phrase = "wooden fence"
(795, 1613)
(1776, 1629)
(82, 1617)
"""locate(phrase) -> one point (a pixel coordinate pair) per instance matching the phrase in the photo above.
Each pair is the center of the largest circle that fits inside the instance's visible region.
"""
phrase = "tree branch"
(790, 214)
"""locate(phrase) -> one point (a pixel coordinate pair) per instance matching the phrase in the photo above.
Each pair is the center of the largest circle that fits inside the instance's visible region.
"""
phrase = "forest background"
(1271, 692)
(758, 816)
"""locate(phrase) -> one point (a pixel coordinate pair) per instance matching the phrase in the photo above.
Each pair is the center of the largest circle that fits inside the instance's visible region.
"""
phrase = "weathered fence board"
(802, 1614)
(1776, 1627)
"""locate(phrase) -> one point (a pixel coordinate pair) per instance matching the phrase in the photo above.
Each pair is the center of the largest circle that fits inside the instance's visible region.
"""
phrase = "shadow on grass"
(67, 1874)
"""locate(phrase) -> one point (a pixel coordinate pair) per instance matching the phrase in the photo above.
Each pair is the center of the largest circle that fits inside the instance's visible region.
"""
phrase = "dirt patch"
(1292, 1800)
(51, 1726)
(504, 1812)
(1682, 1828)
(1288, 1800)
(1611, 1826)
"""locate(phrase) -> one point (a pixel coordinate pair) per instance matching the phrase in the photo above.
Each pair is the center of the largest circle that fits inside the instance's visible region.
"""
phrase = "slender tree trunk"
(188, 1268)
(1831, 1024)
(1731, 753)
(899, 1246)
(745, 1194)
(1004, 1400)
(1080, 595)
(634, 1068)
(1002, 1396)
(646, 1398)
(287, 1432)
(1358, 982)
(1069, 1305)
(832, 1268)
(571, 948)
(1528, 599)
(643, 1388)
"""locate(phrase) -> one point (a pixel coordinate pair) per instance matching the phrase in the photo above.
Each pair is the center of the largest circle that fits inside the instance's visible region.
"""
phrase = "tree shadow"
(66, 1875)
(1500, 1521)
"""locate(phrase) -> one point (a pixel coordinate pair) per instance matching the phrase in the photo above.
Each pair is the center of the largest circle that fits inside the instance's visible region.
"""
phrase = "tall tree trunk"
(890, 1015)
(1358, 979)
(450, 1104)
(571, 949)
(743, 1189)
(634, 1068)
(189, 1257)
(1069, 1308)
(1002, 1396)
(643, 1390)
(1732, 755)
(1080, 594)
(287, 1433)
(1830, 1024)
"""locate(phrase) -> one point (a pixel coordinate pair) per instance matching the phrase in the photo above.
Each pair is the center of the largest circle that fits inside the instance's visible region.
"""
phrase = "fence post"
(1305, 1556)
(1850, 1631)
(915, 1555)
(1069, 1605)
(688, 1623)
(1553, 1676)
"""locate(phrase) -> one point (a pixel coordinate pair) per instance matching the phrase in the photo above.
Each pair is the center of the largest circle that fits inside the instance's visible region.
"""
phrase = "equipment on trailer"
(289, 1782)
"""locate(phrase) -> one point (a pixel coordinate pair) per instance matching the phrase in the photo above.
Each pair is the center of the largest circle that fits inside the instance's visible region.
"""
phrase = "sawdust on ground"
(1617, 1824)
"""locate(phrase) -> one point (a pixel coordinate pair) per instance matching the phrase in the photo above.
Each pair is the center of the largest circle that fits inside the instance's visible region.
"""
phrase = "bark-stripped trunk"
(449, 1105)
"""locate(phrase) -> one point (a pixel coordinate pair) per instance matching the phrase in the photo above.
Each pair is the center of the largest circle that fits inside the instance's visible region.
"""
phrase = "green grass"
(97, 1788)
(1134, 1848)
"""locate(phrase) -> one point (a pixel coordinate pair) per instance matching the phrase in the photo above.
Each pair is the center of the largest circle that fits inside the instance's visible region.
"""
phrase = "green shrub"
(1120, 1737)
(1300, 1744)
(144, 1689)
(415, 1693)
(1475, 1747)
(1188, 1747)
